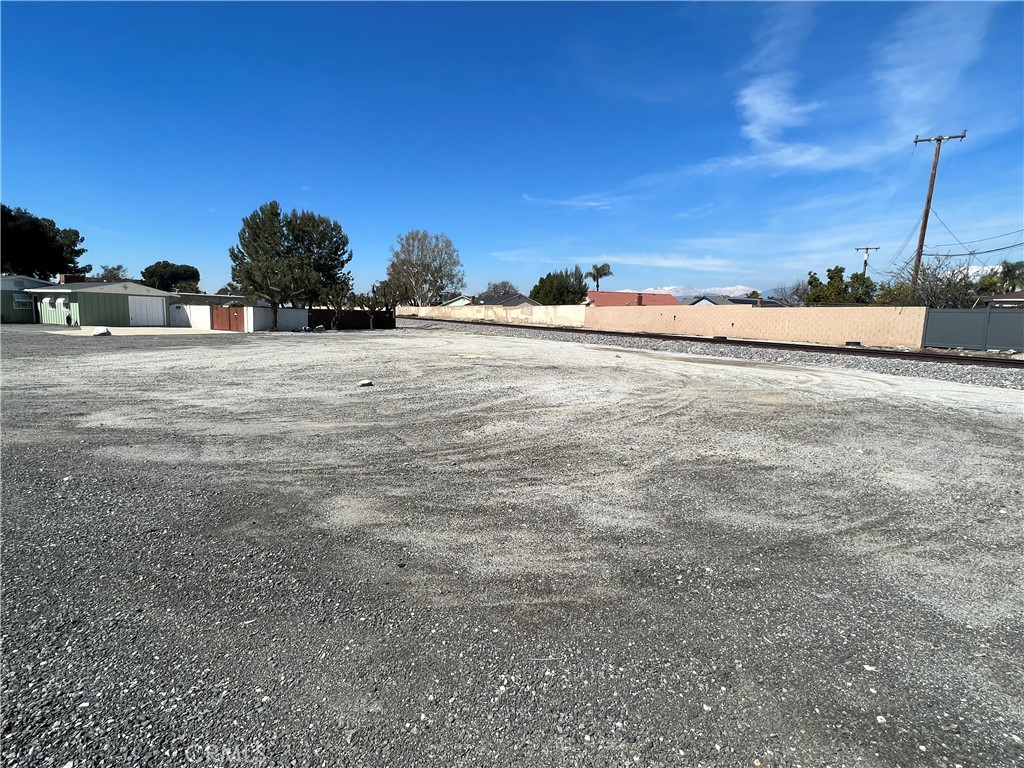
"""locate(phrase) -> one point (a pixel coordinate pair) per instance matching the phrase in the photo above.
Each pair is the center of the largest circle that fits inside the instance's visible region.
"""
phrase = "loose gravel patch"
(219, 550)
(1010, 378)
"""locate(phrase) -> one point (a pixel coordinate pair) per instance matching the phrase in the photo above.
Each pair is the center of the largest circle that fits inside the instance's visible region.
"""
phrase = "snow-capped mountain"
(685, 291)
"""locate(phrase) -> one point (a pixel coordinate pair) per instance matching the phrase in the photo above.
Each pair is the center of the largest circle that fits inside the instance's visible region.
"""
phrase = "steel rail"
(950, 358)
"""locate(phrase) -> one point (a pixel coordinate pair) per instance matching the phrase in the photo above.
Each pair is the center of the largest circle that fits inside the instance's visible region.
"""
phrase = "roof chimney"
(639, 299)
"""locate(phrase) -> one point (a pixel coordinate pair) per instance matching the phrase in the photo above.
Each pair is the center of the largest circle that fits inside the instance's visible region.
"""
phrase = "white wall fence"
(190, 316)
(288, 319)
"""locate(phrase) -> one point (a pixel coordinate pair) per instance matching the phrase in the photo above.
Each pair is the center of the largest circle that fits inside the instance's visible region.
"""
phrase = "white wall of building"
(190, 316)
(288, 319)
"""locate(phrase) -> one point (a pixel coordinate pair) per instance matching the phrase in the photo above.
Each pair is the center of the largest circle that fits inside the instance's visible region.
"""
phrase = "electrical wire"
(951, 233)
(979, 253)
(899, 186)
(899, 251)
(982, 240)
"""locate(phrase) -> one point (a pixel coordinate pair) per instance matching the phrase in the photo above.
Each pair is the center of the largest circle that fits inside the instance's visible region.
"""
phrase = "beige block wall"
(871, 326)
(568, 316)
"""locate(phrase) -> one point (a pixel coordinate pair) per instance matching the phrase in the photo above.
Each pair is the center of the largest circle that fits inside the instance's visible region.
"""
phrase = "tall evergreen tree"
(297, 258)
(567, 286)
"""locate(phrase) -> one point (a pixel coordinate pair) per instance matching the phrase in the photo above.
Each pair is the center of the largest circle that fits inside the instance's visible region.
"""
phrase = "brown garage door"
(227, 318)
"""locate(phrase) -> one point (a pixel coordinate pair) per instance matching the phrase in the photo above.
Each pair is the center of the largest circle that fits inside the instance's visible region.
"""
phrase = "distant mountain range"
(686, 292)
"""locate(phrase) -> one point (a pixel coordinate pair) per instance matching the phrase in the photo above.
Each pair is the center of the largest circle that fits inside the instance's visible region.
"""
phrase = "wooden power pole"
(866, 249)
(928, 203)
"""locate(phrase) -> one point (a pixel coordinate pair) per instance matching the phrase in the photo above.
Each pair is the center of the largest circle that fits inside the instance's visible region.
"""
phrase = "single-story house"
(16, 306)
(629, 299)
(730, 301)
(718, 301)
(114, 304)
(514, 299)
(1011, 299)
(459, 301)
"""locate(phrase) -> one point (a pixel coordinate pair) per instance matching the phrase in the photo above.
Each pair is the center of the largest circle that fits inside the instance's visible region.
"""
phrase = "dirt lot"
(218, 550)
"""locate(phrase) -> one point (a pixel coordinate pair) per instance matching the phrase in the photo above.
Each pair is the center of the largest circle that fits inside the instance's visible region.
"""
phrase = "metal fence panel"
(964, 328)
(993, 328)
(1006, 329)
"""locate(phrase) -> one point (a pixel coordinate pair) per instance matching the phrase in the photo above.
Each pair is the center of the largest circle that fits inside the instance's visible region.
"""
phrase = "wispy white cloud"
(697, 212)
(918, 70)
(529, 253)
(685, 290)
(769, 107)
(582, 202)
(800, 156)
(777, 40)
(669, 261)
(921, 62)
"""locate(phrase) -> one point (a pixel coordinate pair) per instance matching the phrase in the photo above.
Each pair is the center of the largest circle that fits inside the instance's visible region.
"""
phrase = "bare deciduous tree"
(501, 288)
(424, 267)
(791, 295)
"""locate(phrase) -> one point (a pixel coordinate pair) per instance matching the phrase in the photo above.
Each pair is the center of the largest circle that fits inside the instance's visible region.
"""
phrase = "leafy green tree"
(857, 290)
(599, 271)
(895, 295)
(298, 258)
(37, 247)
(1007, 277)
(566, 286)
(942, 283)
(501, 288)
(861, 289)
(383, 296)
(166, 276)
(1012, 273)
(754, 295)
(424, 267)
(113, 274)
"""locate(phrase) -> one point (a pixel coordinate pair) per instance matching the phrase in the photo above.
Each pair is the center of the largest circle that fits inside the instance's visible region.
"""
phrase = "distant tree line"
(943, 282)
(37, 247)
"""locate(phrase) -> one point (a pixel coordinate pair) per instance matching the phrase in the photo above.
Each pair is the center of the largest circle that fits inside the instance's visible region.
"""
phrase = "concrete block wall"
(871, 326)
(566, 316)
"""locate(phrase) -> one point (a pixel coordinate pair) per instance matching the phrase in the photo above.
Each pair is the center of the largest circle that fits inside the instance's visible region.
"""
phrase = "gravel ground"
(1011, 378)
(217, 550)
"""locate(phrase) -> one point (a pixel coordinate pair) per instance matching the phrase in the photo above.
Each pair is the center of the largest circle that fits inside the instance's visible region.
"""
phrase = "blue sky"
(700, 145)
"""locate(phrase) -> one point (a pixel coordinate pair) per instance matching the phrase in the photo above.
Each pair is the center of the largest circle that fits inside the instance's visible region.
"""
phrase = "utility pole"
(928, 203)
(866, 249)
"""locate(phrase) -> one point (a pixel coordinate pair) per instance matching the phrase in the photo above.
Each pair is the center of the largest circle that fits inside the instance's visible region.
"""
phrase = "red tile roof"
(630, 299)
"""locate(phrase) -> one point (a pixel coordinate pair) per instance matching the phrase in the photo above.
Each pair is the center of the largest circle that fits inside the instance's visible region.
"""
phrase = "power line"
(899, 186)
(903, 245)
(948, 229)
(979, 253)
(982, 240)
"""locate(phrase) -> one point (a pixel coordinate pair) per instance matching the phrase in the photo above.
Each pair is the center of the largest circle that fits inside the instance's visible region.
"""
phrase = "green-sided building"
(17, 306)
(114, 304)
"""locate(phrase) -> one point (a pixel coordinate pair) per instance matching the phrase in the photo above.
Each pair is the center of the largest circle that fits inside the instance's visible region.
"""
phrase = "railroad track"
(950, 358)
